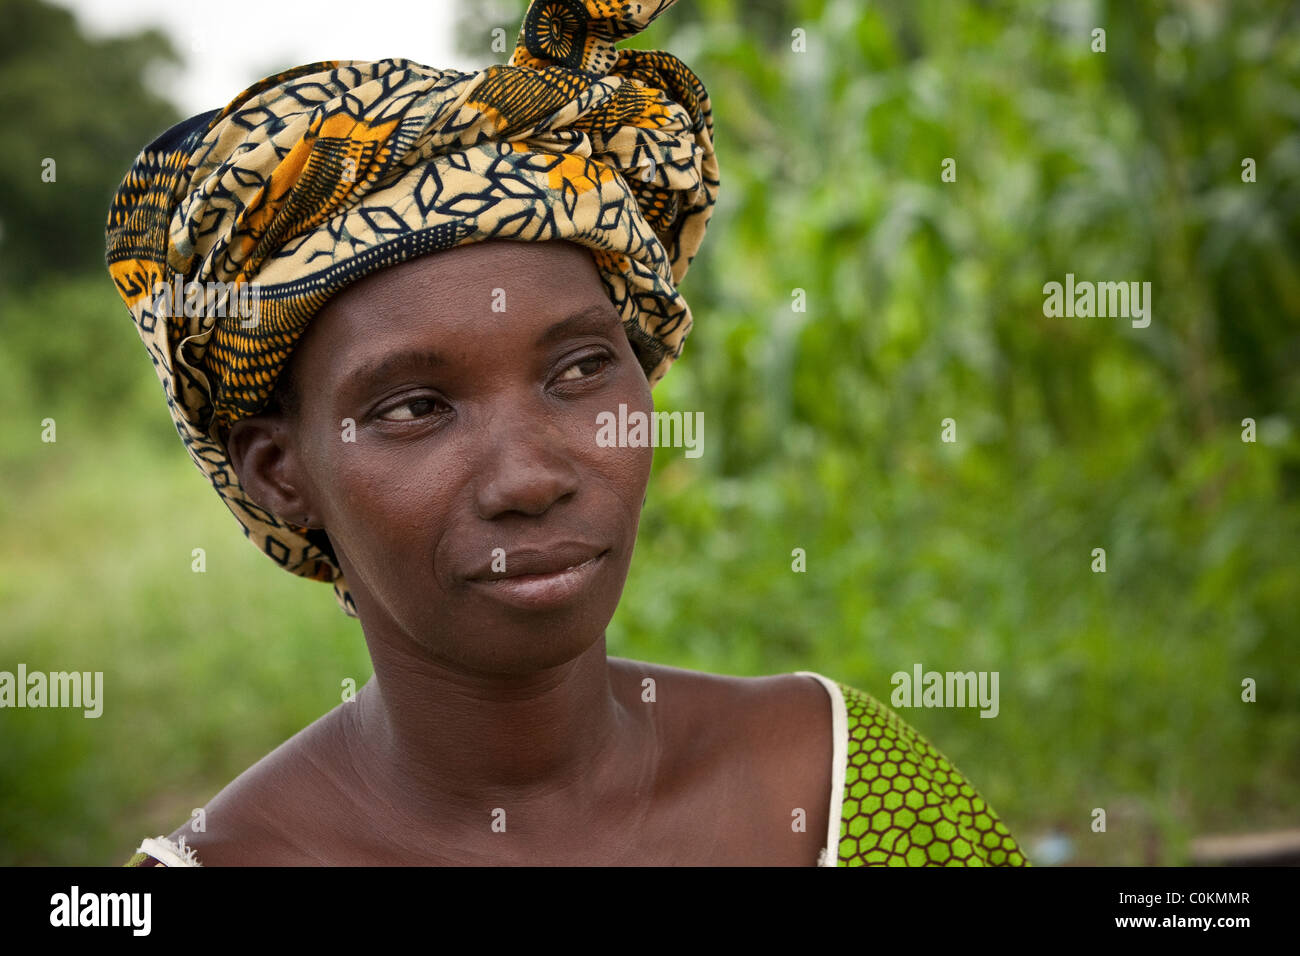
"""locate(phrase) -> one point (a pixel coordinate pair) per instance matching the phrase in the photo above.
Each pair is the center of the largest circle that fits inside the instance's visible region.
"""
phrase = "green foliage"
(83, 103)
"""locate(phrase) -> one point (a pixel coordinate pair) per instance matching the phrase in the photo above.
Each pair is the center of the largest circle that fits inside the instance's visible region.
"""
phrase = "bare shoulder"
(789, 707)
(774, 732)
(263, 816)
(791, 714)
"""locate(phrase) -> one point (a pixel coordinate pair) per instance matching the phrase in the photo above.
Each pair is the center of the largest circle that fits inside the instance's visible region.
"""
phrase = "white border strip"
(839, 760)
(168, 853)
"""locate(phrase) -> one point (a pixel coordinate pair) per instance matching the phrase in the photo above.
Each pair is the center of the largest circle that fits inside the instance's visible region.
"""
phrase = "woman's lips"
(543, 591)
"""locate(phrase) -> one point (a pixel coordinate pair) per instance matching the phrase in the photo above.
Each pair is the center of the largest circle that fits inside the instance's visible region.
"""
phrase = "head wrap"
(320, 175)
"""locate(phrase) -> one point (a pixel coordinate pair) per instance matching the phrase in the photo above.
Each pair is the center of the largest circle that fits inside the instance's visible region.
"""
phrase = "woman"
(456, 275)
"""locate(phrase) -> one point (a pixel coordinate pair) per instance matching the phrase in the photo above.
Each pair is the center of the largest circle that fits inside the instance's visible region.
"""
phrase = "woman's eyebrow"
(377, 370)
(593, 318)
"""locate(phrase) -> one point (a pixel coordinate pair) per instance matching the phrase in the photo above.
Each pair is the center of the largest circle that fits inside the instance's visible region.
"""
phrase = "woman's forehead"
(500, 295)
(479, 271)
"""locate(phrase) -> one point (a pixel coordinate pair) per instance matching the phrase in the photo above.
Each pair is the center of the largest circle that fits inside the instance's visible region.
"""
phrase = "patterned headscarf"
(325, 173)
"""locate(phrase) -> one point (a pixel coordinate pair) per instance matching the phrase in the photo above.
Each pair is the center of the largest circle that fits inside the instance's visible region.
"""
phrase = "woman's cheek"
(377, 500)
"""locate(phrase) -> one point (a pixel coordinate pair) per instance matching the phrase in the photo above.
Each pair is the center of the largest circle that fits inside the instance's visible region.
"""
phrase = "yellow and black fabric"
(320, 175)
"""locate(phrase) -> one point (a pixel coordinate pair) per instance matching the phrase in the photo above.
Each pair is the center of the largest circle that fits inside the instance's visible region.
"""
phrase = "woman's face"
(474, 378)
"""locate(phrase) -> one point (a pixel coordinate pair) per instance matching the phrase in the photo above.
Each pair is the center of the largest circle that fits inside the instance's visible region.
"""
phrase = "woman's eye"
(592, 364)
(419, 407)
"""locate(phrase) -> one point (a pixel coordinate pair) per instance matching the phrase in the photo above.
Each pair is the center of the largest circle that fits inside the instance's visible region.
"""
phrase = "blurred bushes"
(86, 105)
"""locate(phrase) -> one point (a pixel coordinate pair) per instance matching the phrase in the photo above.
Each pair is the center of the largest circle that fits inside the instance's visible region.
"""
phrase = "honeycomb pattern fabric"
(905, 804)
(320, 175)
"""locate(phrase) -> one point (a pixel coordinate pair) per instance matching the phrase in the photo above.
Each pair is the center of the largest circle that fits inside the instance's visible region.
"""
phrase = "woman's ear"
(264, 457)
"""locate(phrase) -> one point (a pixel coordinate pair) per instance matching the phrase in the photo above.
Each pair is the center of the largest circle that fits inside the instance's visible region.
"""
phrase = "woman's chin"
(518, 645)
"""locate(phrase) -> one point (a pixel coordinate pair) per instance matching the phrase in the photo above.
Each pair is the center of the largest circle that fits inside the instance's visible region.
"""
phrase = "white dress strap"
(839, 759)
(168, 853)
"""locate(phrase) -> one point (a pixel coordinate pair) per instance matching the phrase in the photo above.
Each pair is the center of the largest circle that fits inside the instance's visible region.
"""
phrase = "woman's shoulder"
(904, 803)
(769, 692)
(251, 821)
(786, 717)
(235, 837)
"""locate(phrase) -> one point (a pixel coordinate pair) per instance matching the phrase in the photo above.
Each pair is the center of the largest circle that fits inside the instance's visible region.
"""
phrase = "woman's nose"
(526, 467)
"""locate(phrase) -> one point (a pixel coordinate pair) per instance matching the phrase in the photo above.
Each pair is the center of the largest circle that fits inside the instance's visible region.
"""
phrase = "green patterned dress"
(897, 801)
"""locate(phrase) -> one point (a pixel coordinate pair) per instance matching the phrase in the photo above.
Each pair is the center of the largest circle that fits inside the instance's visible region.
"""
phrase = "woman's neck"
(554, 749)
